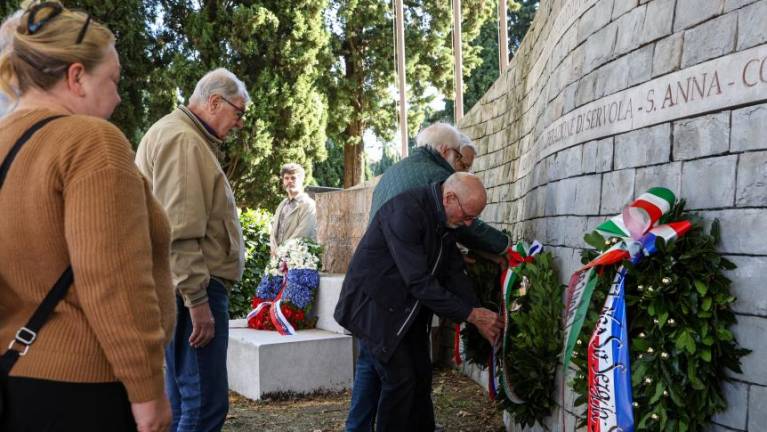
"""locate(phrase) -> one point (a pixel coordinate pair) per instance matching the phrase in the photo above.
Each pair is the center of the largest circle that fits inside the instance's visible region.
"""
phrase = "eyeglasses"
(458, 155)
(55, 10)
(466, 217)
(239, 112)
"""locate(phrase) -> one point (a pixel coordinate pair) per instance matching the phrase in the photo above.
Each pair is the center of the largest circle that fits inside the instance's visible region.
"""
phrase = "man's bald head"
(464, 198)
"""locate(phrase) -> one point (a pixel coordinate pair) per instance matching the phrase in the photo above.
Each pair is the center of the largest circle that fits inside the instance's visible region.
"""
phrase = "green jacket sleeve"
(482, 236)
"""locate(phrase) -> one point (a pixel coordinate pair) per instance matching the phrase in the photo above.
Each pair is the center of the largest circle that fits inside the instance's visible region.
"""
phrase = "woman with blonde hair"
(76, 215)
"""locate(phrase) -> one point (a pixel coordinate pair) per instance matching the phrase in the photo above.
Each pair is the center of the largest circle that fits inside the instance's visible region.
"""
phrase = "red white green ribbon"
(636, 233)
(517, 256)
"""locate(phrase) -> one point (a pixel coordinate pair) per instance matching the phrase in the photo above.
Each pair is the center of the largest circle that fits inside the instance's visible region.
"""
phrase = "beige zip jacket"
(179, 158)
(299, 222)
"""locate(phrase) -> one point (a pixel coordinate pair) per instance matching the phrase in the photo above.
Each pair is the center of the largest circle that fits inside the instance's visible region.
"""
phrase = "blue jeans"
(395, 395)
(365, 393)
(196, 378)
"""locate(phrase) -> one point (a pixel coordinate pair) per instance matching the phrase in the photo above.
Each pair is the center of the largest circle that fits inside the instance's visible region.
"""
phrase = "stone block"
(668, 176)
(752, 180)
(712, 39)
(738, 228)
(629, 34)
(736, 4)
(342, 218)
(702, 136)
(623, 6)
(612, 77)
(709, 183)
(736, 395)
(647, 146)
(757, 408)
(617, 191)
(573, 196)
(568, 98)
(749, 332)
(748, 285)
(566, 261)
(752, 21)
(658, 20)
(691, 12)
(640, 65)
(668, 55)
(567, 163)
(749, 128)
(260, 363)
(599, 47)
(594, 19)
(325, 303)
(586, 89)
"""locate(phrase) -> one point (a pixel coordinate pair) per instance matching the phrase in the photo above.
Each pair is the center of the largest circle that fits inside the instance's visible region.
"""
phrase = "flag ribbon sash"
(517, 257)
(579, 291)
(609, 370)
(274, 310)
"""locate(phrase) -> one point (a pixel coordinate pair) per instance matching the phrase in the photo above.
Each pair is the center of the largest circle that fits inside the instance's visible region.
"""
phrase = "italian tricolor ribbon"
(609, 370)
(517, 256)
(636, 232)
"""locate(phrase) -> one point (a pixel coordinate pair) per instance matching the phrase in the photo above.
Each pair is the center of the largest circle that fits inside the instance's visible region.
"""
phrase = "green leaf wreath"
(679, 311)
(535, 342)
(535, 335)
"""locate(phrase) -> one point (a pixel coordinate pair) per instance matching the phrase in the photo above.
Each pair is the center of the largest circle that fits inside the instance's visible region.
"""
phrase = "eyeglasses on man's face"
(465, 216)
(239, 112)
(458, 155)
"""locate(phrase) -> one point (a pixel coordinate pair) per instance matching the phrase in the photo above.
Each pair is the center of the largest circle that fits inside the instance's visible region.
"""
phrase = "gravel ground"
(459, 404)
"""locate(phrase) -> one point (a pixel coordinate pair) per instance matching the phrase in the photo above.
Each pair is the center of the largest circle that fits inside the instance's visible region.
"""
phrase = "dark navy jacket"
(407, 260)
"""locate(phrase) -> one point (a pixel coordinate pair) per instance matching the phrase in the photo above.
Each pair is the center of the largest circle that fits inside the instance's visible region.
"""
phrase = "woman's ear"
(75, 74)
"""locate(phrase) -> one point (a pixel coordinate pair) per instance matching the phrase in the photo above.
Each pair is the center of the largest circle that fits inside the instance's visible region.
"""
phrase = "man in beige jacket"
(296, 216)
(179, 155)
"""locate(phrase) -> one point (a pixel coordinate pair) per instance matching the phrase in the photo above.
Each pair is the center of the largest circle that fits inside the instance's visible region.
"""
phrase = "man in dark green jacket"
(437, 156)
(434, 160)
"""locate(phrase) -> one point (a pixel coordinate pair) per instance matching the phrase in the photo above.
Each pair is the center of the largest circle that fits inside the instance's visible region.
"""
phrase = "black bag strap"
(26, 335)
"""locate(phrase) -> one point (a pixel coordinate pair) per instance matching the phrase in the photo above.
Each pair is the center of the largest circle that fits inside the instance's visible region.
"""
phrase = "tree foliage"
(129, 20)
(276, 48)
(362, 73)
(389, 157)
(520, 15)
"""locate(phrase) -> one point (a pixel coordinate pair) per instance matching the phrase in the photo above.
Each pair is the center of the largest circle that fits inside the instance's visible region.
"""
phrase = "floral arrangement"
(679, 318)
(285, 296)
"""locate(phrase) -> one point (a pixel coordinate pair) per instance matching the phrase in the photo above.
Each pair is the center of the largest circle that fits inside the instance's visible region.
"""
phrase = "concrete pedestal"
(264, 362)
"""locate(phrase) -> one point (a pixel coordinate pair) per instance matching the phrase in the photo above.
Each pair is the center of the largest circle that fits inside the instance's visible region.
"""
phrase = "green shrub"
(255, 230)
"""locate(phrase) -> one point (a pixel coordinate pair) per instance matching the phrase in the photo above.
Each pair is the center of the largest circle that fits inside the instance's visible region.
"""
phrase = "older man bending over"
(406, 267)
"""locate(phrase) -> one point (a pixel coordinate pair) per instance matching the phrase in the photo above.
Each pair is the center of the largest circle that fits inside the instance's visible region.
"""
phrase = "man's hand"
(489, 324)
(152, 416)
(203, 325)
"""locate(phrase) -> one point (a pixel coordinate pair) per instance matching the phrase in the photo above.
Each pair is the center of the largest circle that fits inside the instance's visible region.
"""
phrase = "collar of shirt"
(436, 189)
(205, 125)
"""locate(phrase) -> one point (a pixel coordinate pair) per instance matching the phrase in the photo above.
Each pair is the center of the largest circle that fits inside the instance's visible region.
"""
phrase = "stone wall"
(342, 218)
(606, 98)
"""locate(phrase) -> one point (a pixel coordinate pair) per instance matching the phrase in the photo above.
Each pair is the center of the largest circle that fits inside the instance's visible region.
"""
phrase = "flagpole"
(400, 42)
(503, 36)
(458, 57)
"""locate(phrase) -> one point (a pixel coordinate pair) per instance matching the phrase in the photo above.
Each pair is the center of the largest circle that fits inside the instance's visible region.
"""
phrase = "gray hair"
(439, 135)
(466, 143)
(292, 168)
(219, 82)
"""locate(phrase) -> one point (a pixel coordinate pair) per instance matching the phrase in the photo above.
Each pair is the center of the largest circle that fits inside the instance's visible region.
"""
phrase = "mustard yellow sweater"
(74, 196)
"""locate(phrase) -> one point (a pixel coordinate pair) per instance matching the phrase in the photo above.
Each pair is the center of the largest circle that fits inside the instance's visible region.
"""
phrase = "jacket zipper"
(433, 270)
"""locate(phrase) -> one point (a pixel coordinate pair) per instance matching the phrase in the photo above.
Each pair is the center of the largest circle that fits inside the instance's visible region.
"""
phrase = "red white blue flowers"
(286, 293)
